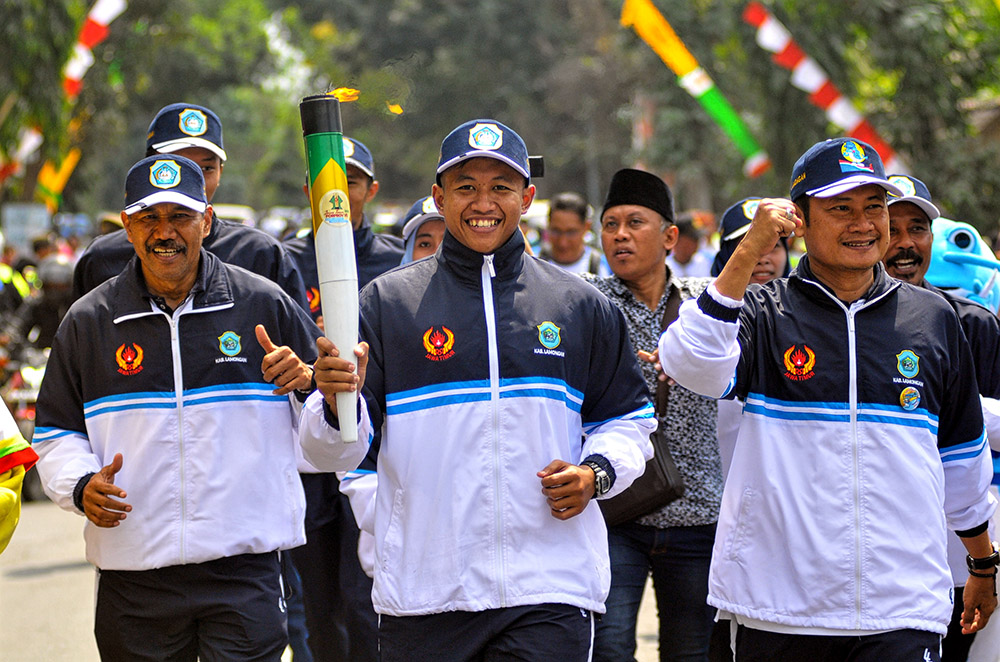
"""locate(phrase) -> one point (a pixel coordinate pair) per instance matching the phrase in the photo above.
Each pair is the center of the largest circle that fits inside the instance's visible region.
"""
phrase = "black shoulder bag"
(661, 482)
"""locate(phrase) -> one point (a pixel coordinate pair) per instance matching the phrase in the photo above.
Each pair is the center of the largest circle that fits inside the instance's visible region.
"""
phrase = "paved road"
(47, 596)
(47, 593)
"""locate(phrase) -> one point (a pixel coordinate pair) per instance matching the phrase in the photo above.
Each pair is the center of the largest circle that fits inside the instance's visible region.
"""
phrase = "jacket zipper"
(175, 351)
(852, 350)
(853, 408)
(487, 274)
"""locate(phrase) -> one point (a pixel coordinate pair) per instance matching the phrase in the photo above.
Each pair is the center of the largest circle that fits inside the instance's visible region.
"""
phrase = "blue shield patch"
(229, 343)
(908, 364)
(548, 335)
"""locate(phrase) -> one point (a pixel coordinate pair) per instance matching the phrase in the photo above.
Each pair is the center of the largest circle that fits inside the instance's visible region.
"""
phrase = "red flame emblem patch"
(799, 363)
(438, 343)
(312, 296)
(129, 358)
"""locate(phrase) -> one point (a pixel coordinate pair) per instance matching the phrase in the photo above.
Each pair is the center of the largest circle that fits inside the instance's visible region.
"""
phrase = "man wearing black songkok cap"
(675, 541)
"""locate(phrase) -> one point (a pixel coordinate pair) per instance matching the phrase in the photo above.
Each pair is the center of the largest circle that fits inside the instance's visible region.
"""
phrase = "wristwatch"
(602, 481)
(985, 563)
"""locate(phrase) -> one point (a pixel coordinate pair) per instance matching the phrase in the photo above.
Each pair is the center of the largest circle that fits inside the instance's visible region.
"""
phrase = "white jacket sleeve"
(699, 351)
(64, 457)
(321, 444)
(625, 443)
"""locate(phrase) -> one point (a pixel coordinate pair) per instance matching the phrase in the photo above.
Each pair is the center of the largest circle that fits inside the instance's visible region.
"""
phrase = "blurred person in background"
(687, 260)
(423, 230)
(565, 236)
(37, 318)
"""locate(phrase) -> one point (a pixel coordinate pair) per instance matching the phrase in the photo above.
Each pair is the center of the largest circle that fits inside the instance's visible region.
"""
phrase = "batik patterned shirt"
(690, 420)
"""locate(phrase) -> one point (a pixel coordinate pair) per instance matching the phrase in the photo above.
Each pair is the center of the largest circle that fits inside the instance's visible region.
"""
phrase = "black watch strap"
(985, 563)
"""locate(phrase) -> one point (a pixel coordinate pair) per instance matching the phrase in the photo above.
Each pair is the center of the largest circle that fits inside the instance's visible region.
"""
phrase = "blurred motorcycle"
(24, 370)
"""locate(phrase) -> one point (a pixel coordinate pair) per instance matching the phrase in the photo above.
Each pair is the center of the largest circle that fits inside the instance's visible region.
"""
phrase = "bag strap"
(670, 312)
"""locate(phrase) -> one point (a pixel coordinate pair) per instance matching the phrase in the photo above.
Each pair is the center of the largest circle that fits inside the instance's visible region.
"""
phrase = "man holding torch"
(486, 369)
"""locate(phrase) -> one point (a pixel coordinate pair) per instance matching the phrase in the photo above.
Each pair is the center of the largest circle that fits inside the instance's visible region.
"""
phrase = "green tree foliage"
(36, 37)
(564, 73)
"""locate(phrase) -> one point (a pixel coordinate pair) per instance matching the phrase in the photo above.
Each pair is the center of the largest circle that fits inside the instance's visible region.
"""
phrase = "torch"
(333, 236)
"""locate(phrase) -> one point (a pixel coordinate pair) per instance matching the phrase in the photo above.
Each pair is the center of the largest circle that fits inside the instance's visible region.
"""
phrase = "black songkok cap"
(637, 187)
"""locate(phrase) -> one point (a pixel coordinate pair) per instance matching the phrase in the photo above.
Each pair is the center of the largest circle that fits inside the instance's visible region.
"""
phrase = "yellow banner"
(52, 181)
(649, 23)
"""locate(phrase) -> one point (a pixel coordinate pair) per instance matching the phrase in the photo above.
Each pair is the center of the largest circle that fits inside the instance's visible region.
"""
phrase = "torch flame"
(345, 94)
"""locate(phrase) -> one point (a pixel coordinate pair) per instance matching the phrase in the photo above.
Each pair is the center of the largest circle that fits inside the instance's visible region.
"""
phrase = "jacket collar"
(507, 260)
(364, 238)
(128, 295)
(882, 283)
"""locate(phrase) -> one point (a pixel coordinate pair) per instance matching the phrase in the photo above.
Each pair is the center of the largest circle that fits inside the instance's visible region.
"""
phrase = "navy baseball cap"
(834, 166)
(913, 190)
(160, 178)
(182, 125)
(359, 156)
(487, 138)
(422, 210)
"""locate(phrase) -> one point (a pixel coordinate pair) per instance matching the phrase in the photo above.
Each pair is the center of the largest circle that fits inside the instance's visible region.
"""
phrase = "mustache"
(905, 254)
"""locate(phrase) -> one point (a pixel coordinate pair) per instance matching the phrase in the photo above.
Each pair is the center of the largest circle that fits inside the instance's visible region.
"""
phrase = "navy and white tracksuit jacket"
(861, 442)
(483, 369)
(209, 453)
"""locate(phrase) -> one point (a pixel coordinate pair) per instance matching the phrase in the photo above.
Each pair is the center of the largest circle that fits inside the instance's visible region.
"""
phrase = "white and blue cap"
(182, 125)
(836, 166)
(422, 210)
(165, 178)
(359, 156)
(913, 190)
(486, 138)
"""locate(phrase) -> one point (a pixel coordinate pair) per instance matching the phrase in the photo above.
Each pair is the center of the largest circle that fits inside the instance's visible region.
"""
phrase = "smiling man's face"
(482, 200)
(910, 242)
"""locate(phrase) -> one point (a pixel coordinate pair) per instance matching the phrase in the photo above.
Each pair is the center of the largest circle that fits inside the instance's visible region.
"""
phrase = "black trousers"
(531, 633)
(337, 593)
(227, 609)
(895, 646)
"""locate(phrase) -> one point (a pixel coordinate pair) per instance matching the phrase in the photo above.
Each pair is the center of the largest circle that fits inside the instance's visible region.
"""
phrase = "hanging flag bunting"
(808, 76)
(29, 141)
(93, 32)
(653, 28)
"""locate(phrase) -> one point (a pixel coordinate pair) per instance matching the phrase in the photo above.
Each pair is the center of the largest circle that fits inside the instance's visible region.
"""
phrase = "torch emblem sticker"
(439, 342)
(129, 358)
(799, 363)
(334, 207)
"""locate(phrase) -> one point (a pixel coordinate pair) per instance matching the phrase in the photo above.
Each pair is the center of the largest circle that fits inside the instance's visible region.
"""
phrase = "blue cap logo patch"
(229, 343)
(485, 136)
(908, 364)
(750, 208)
(348, 148)
(165, 174)
(909, 399)
(548, 335)
(904, 184)
(193, 122)
(854, 158)
(429, 207)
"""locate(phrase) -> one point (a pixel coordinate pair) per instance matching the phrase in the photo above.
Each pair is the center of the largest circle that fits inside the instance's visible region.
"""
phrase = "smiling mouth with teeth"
(483, 222)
